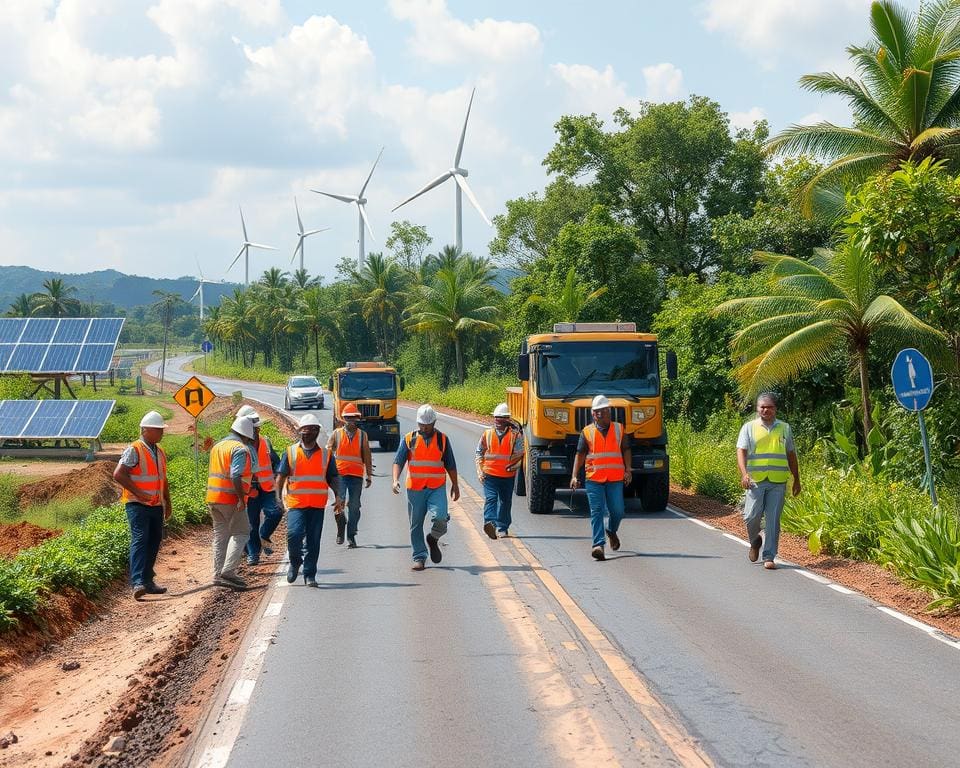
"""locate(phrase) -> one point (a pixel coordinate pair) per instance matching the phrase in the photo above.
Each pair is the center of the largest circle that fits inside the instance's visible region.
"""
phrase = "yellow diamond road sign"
(194, 396)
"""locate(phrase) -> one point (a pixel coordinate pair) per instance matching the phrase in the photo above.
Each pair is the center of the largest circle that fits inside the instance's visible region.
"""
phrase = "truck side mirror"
(671, 364)
(402, 385)
(523, 367)
(330, 383)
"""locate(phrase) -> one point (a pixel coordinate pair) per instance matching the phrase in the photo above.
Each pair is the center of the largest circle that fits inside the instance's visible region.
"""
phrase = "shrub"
(478, 395)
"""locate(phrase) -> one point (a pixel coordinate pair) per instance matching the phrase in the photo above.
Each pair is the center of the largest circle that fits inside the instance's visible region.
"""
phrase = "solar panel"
(48, 419)
(58, 345)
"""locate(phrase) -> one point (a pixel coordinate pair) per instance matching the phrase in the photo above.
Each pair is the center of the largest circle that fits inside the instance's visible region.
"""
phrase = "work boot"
(155, 589)
(754, 553)
(341, 526)
(435, 554)
(266, 545)
(351, 542)
(231, 580)
(614, 540)
(310, 581)
(770, 565)
(139, 590)
(292, 572)
(418, 565)
(597, 553)
(490, 529)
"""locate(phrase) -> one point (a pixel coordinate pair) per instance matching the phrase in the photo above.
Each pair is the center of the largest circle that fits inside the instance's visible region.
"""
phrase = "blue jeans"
(266, 502)
(304, 526)
(419, 503)
(604, 497)
(763, 506)
(146, 532)
(352, 487)
(498, 501)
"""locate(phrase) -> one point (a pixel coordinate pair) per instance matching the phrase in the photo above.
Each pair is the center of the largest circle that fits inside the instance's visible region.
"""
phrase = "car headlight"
(559, 415)
(639, 415)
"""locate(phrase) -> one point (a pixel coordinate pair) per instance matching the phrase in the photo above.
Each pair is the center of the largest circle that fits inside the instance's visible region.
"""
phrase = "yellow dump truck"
(372, 387)
(560, 373)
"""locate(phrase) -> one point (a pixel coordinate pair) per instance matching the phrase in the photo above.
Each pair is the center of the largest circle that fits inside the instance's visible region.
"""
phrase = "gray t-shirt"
(130, 458)
(745, 438)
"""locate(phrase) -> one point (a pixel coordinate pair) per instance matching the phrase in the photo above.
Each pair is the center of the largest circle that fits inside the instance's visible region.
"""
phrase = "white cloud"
(439, 38)
(590, 90)
(664, 82)
(772, 29)
(747, 119)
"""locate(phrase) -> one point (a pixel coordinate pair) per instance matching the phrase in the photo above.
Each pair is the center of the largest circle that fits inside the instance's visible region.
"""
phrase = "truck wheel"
(541, 488)
(655, 492)
(521, 486)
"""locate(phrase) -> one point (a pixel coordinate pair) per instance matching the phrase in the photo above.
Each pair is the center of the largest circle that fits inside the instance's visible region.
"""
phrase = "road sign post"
(194, 397)
(912, 377)
(205, 347)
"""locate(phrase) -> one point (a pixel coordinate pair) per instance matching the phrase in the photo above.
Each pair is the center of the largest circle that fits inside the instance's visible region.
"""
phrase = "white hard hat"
(250, 413)
(243, 425)
(152, 419)
(600, 401)
(308, 420)
(426, 415)
(502, 410)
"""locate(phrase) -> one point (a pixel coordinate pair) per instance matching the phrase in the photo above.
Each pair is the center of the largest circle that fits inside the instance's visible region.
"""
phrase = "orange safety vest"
(219, 485)
(307, 482)
(604, 457)
(425, 462)
(498, 454)
(349, 453)
(264, 473)
(149, 476)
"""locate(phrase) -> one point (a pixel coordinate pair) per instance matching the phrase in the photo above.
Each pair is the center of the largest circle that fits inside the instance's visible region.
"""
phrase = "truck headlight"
(559, 415)
(639, 415)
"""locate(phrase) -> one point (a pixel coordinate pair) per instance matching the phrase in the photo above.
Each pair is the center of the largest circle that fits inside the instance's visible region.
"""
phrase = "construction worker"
(350, 448)
(142, 473)
(262, 498)
(605, 449)
(499, 453)
(308, 475)
(228, 485)
(429, 459)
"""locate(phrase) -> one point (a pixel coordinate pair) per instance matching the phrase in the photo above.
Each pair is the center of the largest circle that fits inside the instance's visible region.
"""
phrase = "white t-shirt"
(745, 438)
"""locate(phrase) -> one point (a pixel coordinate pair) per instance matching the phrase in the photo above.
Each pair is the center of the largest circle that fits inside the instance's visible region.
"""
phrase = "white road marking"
(813, 576)
(842, 589)
(701, 523)
(273, 609)
(736, 539)
(906, 619)
(241, 693)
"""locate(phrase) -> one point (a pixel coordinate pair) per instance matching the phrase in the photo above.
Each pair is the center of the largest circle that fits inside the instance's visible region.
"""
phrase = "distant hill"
(106, 286)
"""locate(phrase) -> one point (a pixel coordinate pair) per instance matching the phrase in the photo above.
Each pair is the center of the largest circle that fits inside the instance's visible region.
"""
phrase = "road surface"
(525, 651)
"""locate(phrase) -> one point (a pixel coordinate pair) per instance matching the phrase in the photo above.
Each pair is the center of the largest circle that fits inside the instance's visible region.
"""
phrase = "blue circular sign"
(206, 346)
(912, 377)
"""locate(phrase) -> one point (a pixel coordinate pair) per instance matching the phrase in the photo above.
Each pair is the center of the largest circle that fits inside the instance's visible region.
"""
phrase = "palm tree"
(380, 284)
(454, 305)
(815, 307)
(313, 315)
(273, 279)
(303, 279)
(22, 306)
(58, 301)
(166, 307)
(567, 305)
(906, 106)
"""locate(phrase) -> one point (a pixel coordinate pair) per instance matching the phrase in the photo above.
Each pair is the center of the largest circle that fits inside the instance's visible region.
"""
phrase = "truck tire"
(654, 492)
(541, 489)
(521, 486)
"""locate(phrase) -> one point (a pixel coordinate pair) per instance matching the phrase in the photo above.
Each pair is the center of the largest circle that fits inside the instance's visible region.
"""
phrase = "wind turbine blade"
(196, 293)
(265, 247)
(463, 133)
(315, 231)
(364, 187)
(435, 183)
(199, 268)
(244, 225)
(297, 249)
(462, 182)
(363, 213)
(237, 257)
(299, 220)
(341, 198)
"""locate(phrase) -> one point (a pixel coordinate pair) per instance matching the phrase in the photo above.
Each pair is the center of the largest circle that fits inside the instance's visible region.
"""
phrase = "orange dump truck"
(372, 387)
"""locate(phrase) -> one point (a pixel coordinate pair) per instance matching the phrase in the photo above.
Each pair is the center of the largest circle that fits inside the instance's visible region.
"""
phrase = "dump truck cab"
(560, 373)
(372, 387)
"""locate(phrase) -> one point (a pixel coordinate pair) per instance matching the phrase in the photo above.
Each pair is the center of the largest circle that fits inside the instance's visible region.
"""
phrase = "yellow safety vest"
(768, 460)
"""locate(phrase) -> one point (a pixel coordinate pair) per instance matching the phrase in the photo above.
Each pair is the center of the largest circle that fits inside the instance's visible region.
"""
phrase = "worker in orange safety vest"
(350, 448)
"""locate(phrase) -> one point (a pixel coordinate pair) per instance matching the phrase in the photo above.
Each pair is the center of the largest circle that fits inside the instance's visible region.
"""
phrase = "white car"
(303, 392)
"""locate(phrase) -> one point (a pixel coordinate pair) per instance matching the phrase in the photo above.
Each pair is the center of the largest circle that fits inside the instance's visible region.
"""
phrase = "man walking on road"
(228, 485)
(308, 474)
(499, 453)
(351, 450)
(605, 449)
(142, 473)
(766, 457)
(262, 498)
(429, 459)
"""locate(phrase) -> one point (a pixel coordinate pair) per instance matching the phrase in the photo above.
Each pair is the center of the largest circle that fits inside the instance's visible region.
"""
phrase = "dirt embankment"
(22, 535)
(93, 481)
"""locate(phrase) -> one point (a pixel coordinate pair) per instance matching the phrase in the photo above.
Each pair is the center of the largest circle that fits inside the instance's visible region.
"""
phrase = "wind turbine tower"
(301, 235)
(360, 201)
(201, 280)
(461, 187)
(245, 252)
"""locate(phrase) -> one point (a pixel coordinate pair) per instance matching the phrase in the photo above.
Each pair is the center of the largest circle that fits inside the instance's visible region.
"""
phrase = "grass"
(480, 394)
(218, 366)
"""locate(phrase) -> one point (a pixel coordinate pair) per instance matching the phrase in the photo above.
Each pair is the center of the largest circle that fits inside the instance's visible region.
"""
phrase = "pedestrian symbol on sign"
(912, 378)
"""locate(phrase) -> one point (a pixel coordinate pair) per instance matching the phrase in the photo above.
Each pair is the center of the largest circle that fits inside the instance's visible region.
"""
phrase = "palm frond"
(764, 334)
(847, 170)
(802, 350)
(893, 30)
(866, 109)
(765, 305)
(827, 140)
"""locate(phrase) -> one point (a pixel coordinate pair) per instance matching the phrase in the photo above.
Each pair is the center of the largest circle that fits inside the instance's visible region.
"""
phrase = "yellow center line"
(674, 735)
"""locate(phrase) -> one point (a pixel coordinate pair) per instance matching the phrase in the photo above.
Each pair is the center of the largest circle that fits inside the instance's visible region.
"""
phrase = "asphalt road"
(676, 651)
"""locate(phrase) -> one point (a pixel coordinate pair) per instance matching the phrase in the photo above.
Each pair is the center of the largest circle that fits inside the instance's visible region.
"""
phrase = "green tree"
(408, 242)
(381, 299)
(165, 308)
(303, 279)
(58, 301)
(567, 305)
(814, 307)
(312, 315)
(905, 104)
(22, 306)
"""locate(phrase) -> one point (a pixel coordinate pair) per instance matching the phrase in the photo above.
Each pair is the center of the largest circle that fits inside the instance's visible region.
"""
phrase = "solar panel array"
(58, 345)
(48, 419)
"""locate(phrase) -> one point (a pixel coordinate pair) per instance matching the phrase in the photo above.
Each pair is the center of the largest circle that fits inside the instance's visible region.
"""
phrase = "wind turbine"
(201, 280)
(360, 201)
(302, 235)
(245, 251)
(459, 175)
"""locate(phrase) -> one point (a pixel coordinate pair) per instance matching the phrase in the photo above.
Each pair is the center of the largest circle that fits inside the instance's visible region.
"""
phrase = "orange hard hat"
(350, 410)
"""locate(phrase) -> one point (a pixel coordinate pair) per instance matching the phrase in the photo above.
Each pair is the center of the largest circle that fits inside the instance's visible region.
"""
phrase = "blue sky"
(131, 131)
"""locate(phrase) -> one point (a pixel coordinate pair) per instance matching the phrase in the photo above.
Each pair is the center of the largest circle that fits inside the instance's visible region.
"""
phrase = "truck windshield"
(368, 386)
(587, 368)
